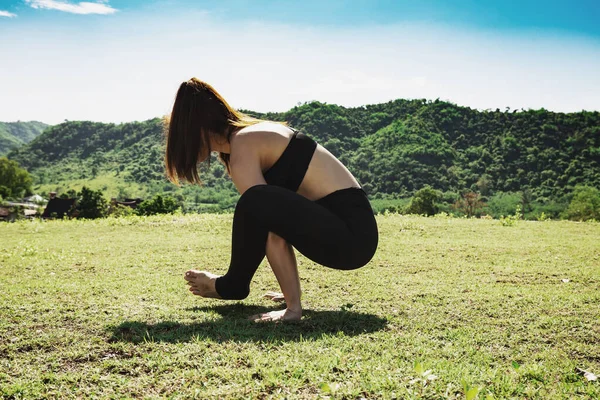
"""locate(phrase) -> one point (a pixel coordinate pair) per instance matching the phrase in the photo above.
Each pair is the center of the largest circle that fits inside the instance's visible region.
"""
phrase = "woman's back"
(325, 173)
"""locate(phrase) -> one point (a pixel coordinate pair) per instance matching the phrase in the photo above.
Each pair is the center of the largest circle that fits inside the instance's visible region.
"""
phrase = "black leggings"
(338, 231)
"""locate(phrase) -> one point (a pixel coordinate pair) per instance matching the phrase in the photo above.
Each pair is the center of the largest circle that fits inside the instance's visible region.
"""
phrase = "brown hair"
(198, 113)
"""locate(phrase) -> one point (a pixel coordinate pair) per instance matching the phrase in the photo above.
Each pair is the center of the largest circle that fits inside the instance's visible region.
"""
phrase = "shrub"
(424, 202)
(511, 220)
(552, 209)
(543, 217)
(585, 204)
(158, 205)
(119, 210)
(503, 203)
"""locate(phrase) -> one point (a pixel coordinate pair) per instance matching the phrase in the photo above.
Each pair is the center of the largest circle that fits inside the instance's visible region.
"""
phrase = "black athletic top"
(289, 170)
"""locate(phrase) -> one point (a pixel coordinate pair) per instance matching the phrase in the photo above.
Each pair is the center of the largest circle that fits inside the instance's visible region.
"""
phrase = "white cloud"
(74, 8)
(7, 14)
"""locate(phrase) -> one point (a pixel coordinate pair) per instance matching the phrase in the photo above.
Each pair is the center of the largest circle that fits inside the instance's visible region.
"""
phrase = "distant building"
(36, 198)
(15, 211)
(7, 215)
(132, 203)
(11, 211)
(57, 207)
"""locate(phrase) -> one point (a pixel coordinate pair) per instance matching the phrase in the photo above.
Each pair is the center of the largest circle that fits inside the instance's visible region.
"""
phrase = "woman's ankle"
(297, 310)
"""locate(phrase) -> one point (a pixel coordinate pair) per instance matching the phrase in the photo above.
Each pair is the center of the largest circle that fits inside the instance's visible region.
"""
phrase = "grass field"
(448, 308)
(108, 183)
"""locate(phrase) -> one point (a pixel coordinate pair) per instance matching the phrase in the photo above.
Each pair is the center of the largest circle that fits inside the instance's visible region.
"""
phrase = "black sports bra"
(289, 170)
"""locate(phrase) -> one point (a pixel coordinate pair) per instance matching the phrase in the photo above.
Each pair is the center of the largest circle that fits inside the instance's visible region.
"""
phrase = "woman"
(293, 193)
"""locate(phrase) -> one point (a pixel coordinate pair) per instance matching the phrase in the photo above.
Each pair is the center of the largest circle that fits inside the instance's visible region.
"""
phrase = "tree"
(14, 180)
(470, 204)
(484, 184)
(585, 204)
(526, 200)
(158, 205)
(91, 204)
(424, 202)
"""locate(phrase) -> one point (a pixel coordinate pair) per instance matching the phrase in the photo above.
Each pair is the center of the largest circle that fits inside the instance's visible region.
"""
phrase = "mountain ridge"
(16, 134)
(393, 148)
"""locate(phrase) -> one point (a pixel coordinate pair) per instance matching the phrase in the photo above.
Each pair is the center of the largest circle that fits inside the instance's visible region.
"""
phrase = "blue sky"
(123, 60)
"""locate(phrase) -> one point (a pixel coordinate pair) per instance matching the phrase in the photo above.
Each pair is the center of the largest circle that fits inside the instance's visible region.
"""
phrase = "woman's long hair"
(198, 113)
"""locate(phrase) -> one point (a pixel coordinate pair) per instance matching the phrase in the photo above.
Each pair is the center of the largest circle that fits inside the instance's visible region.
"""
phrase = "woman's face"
(203, 155)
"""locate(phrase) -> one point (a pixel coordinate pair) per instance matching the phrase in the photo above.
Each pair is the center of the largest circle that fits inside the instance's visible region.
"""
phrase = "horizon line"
(507, 109)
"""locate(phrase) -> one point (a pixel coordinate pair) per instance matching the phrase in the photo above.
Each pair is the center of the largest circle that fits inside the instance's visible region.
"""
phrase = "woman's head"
(199, 115)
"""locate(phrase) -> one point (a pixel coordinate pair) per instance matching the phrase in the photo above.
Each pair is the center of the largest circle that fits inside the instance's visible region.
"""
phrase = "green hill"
(16, 134)
(393, 148)
(401, 146)
(122, 160)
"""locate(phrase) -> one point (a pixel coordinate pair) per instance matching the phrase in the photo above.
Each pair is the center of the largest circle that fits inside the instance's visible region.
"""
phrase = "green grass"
(100, 309)
(108, 183)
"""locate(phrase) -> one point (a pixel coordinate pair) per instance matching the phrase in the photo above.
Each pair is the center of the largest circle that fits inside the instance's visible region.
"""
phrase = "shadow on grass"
(234, 326)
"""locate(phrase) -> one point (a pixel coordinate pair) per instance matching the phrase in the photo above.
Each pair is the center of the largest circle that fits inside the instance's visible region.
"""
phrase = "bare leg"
(283, 263)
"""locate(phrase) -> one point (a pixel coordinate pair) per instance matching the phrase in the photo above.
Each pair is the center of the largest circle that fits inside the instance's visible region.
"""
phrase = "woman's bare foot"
(281, 315)
(275, 296)
(202, 283)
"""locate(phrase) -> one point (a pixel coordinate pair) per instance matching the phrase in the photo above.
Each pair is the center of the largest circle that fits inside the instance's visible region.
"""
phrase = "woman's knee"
(231, 289)
(276, 241)
(252, 196)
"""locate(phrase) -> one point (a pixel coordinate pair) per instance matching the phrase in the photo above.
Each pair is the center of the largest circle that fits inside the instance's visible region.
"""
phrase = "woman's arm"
(244, 163)
(245, 173)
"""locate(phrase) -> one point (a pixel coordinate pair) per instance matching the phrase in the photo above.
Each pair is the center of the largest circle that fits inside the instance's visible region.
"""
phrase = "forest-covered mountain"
(16, 134)
(394, 148)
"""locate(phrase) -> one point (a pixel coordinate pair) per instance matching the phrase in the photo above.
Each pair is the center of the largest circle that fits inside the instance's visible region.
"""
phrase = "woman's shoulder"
(262, 134)
(266, 128)
(262, 143)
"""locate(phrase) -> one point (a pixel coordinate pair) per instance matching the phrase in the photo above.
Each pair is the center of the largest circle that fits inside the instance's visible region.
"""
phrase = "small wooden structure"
(58, 208)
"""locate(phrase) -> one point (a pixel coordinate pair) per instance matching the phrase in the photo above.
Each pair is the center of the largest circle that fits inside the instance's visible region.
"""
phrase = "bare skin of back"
(253, 150)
